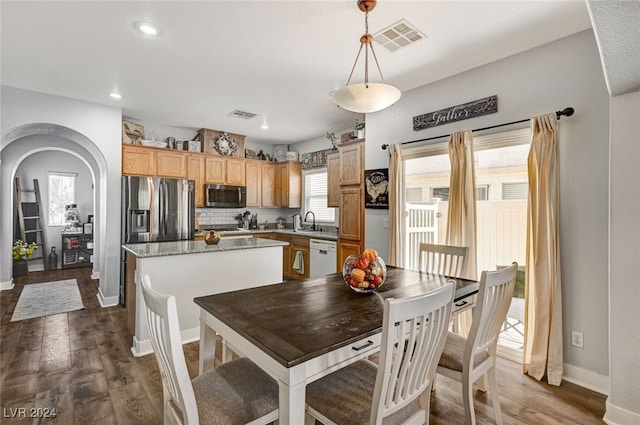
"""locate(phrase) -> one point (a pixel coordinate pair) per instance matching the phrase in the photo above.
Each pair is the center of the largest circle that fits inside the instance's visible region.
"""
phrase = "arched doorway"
(48, 167)
(21, 142)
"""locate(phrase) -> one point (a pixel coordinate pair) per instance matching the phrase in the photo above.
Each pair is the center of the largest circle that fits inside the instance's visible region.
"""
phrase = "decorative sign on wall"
(314, 159)
(376, 190)
(485, 106)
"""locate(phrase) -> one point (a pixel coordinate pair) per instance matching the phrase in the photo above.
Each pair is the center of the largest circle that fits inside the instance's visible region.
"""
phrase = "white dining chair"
(446, 260)
(237, 392)
(468, 359)
(398, 390)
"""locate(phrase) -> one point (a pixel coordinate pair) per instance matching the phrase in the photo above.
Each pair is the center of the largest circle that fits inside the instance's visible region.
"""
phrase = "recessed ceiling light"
(115, 95)
(146, 28)
(264, 126)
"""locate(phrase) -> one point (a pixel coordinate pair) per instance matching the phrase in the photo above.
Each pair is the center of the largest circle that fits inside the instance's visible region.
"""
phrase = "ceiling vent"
(242, 114)
(398, 35)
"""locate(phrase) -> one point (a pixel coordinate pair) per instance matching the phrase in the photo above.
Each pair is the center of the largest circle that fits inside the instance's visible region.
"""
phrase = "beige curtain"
(543, 301)
(396, 206)
(461, 223)
(461, 227)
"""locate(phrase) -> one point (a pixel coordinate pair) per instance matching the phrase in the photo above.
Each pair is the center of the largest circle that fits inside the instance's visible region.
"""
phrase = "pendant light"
(366, 97)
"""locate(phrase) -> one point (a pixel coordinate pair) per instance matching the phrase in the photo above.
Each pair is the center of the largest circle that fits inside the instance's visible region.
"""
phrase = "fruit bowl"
(211, 238)
(364, 273)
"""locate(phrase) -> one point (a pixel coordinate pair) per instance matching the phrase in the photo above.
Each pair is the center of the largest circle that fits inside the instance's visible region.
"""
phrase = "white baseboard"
(143, 347)
(586, 378)
(95, 274)
(6, 286)
(107, 301)
(619, 416)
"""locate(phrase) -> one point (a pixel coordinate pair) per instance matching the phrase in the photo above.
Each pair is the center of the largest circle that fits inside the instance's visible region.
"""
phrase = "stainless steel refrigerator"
(155, 209)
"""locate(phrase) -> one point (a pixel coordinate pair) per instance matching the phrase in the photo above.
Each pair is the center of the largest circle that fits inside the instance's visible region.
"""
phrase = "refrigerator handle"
(165, 201)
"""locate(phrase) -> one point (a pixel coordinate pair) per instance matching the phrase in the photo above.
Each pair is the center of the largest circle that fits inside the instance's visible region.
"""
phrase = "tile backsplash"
(210, 216)
(227, 216)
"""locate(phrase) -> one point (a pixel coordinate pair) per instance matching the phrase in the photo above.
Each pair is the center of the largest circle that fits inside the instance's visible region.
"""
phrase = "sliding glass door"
(501, 206)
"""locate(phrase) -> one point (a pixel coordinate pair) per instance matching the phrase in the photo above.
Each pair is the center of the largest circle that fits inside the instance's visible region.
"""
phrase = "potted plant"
(21, 252)
(359, 128)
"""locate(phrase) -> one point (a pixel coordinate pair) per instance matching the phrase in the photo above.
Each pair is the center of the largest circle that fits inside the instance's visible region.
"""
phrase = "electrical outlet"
(577, 339)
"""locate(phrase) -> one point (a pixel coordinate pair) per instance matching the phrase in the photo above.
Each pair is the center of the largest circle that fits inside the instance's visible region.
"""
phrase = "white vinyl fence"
(501, 231)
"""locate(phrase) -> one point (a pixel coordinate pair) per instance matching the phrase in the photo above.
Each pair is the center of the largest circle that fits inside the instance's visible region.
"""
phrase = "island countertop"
(160, 249)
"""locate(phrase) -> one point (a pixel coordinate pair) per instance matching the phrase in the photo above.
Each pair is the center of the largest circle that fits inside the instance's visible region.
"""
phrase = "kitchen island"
(189, 269)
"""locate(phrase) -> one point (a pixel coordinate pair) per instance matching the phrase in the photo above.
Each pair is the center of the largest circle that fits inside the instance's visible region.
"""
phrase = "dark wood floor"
(80, 364)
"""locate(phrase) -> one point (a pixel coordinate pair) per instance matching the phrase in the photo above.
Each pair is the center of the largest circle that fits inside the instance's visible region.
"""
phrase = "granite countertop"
(330, 236)
(159, 249)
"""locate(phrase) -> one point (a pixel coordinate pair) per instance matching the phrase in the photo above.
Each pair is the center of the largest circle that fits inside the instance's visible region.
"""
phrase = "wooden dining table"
(299, 331)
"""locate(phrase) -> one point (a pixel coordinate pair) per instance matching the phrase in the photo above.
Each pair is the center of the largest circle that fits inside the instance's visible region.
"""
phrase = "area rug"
(45, 299)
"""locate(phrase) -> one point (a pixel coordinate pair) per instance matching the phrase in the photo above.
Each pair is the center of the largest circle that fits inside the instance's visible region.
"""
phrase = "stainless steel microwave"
(224, 196)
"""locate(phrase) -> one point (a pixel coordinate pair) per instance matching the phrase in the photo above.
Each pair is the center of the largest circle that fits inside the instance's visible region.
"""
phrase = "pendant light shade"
(366, 97)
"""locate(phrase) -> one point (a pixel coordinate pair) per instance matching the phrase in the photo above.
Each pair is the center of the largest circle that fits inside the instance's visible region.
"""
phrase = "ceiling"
(277, 59)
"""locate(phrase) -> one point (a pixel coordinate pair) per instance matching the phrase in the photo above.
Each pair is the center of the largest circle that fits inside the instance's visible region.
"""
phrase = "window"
(414, 194)
(315, 197)
(514, 190)
(62, 191)
(442, 193)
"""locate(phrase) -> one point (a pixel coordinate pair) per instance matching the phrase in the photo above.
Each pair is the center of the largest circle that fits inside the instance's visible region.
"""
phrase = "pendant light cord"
(366, 40)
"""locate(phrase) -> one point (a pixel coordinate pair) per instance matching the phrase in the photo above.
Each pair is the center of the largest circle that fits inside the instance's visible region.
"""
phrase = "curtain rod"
(567, 112)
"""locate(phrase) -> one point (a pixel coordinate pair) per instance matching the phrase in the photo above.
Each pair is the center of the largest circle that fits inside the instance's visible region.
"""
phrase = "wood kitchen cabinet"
(221, 170)
(346, 248)
(195, 172)
(333, 179)
(351, 213)
(138, 160)
(172, 164)
(289, 184)
(260, 177)
(253, 178)
(215, 170)
(352, 163)
(293, 252)
(235, 175)
(351, 200)
(268, 180)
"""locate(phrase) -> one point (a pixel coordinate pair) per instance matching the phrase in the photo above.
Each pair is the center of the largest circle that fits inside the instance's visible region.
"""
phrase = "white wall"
(624, 283)
(542, 80)
(94, 132)
(37, 166)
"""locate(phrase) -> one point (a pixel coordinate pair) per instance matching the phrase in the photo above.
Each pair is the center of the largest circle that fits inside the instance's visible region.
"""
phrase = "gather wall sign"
(476, 108)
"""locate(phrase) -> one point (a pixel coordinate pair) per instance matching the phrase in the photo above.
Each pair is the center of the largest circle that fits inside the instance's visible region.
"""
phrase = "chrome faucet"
(313, 226)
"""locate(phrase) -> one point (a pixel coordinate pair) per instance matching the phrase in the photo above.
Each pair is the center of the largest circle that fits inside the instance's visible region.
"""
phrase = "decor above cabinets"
(216, 142)
(279, 184)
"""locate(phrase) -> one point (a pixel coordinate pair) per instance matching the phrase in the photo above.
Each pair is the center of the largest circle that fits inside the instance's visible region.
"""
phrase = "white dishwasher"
(323, 257)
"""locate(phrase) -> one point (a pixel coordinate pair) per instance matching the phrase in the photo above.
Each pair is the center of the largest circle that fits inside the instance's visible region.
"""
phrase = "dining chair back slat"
(447, 260)
(410, 349)
(468, 359)
(397, 389)
(235, 393)
(162, 319)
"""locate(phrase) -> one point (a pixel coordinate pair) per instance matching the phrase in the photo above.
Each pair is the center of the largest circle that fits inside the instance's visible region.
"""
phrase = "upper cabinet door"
(268, 171)
(138, 161)
(333, 179)
(235, 172)
(215, 170)
(171, 164)
(254, 183)
(195, 172)
(351, 160)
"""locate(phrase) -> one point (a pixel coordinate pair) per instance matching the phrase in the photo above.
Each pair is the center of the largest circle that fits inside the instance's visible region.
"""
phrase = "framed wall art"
(314, 159)
(376, 189)
(132, 133)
